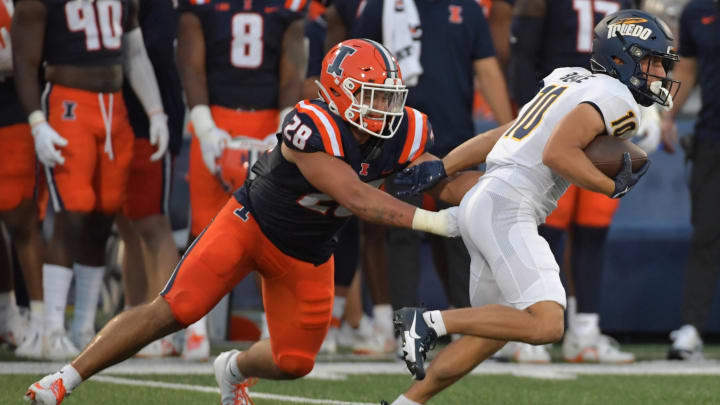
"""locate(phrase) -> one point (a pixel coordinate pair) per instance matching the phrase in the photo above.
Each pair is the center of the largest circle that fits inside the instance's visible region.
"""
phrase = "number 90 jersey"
(517, 156)
(243, 46)
(85, 33)
(298, 218)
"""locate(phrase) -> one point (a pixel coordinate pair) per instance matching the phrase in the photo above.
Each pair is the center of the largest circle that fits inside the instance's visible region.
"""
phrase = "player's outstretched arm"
(338, 180)
(474, 151)
(564, 153)
(28, 36)
(293, 66)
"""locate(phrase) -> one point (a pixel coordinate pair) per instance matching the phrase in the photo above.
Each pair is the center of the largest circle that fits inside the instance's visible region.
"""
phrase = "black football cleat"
(417, 338)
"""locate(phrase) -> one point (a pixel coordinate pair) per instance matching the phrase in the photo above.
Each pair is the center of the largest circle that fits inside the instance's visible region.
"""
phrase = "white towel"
(401, 35)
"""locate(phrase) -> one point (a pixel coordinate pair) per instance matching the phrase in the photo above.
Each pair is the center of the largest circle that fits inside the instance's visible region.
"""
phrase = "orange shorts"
(582, 207)
(297, 295)
(17, 165)
(148, 187)
(90, 180)
(207, 195)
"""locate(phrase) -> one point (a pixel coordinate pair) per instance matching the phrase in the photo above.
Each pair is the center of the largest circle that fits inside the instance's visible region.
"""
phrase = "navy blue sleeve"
(482, 41)
(315, 33)
(369, 23)
(687, 46)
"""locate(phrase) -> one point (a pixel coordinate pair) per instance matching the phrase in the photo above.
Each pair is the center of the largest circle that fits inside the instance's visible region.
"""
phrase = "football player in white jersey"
(515, 285)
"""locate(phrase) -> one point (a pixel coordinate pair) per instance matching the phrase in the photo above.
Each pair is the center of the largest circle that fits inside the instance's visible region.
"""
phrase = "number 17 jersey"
(517, 156)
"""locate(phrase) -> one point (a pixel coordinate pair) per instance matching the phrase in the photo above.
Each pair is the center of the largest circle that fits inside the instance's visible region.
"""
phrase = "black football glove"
(626, 179)
(420, 177)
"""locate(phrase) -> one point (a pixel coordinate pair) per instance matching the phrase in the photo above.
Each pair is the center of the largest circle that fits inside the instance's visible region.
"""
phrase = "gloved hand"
(6, 65)
(159, 134)
(626, 179)
(46, 139)
(420, 177)
(212, 144)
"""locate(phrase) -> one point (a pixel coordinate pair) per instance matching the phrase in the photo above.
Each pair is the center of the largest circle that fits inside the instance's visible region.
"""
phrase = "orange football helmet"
(361, 81)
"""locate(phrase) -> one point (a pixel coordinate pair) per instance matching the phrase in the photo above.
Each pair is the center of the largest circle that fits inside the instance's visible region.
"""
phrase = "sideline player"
(150, 251)
(515, 285)
(83, 138)
(18, 212)
(283, 223)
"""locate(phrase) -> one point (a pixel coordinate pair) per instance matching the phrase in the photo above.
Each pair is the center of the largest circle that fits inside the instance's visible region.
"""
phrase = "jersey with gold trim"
(517, 156)
(243, 46)
(85, 33)
(299, 219)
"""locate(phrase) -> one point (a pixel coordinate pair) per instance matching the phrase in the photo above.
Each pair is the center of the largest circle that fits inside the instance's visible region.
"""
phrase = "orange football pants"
(17, 166)
(207, 195)
(297, 295)
(584, 208)
(99, 150)
(148, 187)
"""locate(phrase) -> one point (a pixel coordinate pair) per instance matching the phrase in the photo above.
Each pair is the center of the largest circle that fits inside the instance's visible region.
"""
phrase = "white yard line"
(200, 388)
(334, 371)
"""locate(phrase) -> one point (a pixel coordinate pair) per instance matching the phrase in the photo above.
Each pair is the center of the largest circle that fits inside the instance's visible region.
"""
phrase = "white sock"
(7, 302)
(338, 309)
(586, 324)
(88, 282)
(56, 284)
(383, 315)
(37, 312)
(403, 400)
(434, 320)
(71, 378)
(232, 371)
(199, 327)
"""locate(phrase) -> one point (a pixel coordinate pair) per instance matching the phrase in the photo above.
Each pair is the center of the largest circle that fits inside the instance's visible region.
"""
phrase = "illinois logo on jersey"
(455, 16)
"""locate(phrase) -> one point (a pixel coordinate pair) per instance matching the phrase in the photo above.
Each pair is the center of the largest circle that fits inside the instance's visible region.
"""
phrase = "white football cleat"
(593, 348)
(687, 344)
(370, 339)
(14, 330)
(50, 390)
(520, 352)
(58, 346)
(231, 394)
(81, 338)
(32, 345)
(162, 347)
(329, 344)
(196, 346)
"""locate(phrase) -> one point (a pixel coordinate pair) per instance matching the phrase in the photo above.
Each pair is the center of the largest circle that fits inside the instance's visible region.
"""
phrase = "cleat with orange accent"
(230, 393)
(196, 347)
(50, 390)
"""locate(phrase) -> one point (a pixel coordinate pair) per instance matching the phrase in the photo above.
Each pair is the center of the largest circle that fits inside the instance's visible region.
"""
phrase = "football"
(606, 154)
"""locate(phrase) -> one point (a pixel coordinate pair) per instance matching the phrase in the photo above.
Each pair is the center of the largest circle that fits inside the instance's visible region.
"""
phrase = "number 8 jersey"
(243, 46)
(85, 33)
(517, 156)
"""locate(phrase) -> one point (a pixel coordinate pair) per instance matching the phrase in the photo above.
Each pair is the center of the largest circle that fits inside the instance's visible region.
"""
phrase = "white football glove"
(649, 134)
(6, 64)
(212, 139)
(159, 134)
(46, 139)
(212, 145)
(443, 222)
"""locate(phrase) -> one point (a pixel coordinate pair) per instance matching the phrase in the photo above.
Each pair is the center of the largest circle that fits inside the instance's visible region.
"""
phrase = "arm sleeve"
(687, 45)
(369, 23)
(301, 133)
(526, 42)
(619, 112)
(482, 43)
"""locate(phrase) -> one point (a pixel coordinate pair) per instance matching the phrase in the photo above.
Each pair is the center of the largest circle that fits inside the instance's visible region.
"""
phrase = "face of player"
(654, 67)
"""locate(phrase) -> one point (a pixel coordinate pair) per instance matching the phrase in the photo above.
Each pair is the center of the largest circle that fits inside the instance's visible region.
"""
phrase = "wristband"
(430, 221)
(36, 117)
(202, 120)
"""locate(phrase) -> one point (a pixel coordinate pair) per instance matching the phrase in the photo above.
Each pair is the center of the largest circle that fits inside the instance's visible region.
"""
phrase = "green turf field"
(352, 381)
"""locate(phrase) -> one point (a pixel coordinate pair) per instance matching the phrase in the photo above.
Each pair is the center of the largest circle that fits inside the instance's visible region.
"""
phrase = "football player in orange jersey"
(17, 203)
(282, 222)
(83, 138)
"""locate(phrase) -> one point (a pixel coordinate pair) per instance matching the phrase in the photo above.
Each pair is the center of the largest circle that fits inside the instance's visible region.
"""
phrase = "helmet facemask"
(663, 89)
(375, 108)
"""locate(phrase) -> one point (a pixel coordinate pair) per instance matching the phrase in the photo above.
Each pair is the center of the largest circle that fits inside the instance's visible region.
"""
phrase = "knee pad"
(296, 364)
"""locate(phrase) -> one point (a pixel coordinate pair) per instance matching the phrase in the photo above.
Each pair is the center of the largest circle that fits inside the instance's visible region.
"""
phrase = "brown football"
(606, 154)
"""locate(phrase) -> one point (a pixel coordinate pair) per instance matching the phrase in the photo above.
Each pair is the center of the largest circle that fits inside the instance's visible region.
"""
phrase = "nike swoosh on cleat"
(413, 333)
